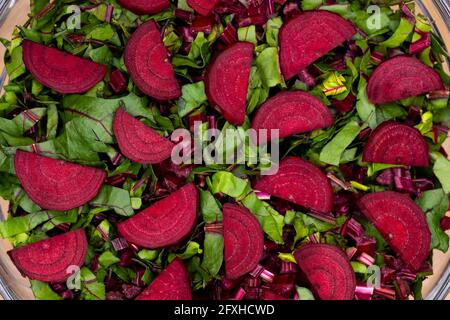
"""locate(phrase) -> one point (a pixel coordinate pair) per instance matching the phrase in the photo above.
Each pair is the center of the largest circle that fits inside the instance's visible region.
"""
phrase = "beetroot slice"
(55, 184)
(142, 7)
(148, 64)
(300, 182)
(226, 81)
(402, 77)
(396, 143)
(166, 222)
(48, 260)
(328, 270)
(243, 240)
(139, 142)
(204, 7)
(402, 223)
(171, 284)
(309, 36)
(61, 71)
(292, 112)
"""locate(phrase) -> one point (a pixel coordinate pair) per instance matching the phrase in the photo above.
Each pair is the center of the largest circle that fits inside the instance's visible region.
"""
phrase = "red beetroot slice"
(142, 7)
(243, 240)
(309, 36)
(292, 112)
(300, 182)
(227, 79)
(402, 223)
(166, 222)
(402, 77)
(396, 143)
(171, 284)
(204, 7)
(49, 260)
(139, 142)
(55, 184)
(59, 70)
(328, 270)
(148, 63)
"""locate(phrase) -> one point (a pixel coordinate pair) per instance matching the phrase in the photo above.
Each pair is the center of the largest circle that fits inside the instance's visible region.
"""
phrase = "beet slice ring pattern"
(171, 284)
(328, 270)
(139, 142)
(166, 222)
(55, 184)
(148, 63)
(227, 79)
(402, 223)
(396, 143)
(142, 7)
(243, 240)
(402, 77)
(48, 260)
(204, 7)
(59, 70)
(309, 36)
(292, 112)
(300, 182)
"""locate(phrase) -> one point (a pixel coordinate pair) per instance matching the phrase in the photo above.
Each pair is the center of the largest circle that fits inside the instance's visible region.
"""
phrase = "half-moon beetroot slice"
(142, 7)
(204, 7)
(309, 36)
(139, 142)
(226, 81)
(48, 260)
(171, 284)
(148, 63)
(402, 77)
(55, 184)
(292, 112)
(59, 70)
(402, 223)
(328, 270)
(166, 222)
(300, 182)
(243, 240)
(396, 143)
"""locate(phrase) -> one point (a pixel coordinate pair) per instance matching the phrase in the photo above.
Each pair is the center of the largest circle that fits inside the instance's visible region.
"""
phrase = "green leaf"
(107, 259)
(267, 63)
(404, 30)
(17, 225)
(441, 170)
(193, 96)
(114, 198)
(305, 226)
(248, 34)
(273, 27)
(15, 66)
(311, 4)
(209, 208)
(366, 109)
(304, 293)
(333, 151)
(91, 289)
(43, 291)
(149, 255)
(435, 205)
(213, 253)
(101, 33)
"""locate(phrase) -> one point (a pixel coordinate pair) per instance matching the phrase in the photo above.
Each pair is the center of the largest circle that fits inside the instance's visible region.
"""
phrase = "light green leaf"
(114, 198)
(404, 30)
(193, 96)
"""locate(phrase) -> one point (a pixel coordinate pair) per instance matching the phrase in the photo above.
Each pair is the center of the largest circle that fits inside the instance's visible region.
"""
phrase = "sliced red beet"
(142, 7)
(55, 184)
(328, 270)
(300, 182)
(171, 284)
(148, 63)
(243, 240)
(227, 79)
(166, 222)
(402, 77)
(59, 70)
(402, 223)
(309, 36)
(396, 143)
(139, 142)
(49, 260)
(292, 112)
(204, 7)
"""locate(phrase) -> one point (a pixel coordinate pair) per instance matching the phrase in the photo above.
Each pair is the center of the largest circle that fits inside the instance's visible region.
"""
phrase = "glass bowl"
(14, 286)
